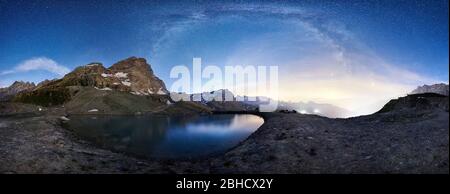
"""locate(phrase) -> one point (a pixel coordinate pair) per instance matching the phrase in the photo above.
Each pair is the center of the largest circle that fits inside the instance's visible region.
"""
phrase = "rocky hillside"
(417, 103)
(435, 88)
(138, 74)
(133, 75)
(127, 87)
(409, 135)
(17, 87)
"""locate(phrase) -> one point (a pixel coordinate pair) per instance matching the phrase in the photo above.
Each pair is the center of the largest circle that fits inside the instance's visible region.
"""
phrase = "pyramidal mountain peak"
(133, 75)
(129, 75)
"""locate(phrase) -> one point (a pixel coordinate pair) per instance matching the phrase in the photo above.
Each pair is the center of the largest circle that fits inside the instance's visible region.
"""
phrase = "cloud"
(38, 63)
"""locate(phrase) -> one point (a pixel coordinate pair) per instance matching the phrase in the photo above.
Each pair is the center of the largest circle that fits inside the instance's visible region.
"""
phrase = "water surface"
(166, 137)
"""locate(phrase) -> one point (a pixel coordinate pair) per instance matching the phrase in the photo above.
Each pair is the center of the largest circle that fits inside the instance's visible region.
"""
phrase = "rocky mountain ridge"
(216, 101)
(416, 103)
(440, 88)
(17, 87)
(132, 75)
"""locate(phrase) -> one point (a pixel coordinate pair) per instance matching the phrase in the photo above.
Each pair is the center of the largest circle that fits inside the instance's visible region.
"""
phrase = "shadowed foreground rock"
(410, 137)
(38, 145)
(400, 139)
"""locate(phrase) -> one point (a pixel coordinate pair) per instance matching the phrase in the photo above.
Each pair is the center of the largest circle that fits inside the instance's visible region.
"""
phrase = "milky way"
(348, 53)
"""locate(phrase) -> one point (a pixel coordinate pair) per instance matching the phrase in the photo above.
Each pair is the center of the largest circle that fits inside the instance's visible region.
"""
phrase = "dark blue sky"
(400, 42)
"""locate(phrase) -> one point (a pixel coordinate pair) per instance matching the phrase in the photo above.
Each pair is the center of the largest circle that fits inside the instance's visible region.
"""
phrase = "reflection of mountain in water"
(228, 124)
(162, 136)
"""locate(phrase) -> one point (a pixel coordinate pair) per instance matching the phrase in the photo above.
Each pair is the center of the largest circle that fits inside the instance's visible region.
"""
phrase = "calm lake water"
(166, 137)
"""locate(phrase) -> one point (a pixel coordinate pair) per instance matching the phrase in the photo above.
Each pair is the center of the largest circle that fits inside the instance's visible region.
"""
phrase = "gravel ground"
(403, 141)
(294, 143)
(38, 145)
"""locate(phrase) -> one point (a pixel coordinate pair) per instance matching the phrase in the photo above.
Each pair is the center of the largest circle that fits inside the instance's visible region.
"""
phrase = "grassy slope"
(109, 102)
(115, 102)
(45, 96)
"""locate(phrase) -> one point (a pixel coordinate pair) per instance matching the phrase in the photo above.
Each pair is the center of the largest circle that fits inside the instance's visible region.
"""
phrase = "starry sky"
(354, 54)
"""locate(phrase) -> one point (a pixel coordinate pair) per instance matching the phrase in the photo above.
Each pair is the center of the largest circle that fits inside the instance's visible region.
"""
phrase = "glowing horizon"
(350, 55)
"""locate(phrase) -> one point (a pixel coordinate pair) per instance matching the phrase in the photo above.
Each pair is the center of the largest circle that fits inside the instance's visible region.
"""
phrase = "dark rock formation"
(140, 75)
(132, 75)
(409, 135)
(417, 102)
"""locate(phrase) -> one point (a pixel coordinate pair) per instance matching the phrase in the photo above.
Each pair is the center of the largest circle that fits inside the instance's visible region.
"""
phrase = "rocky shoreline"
(397, 141)
(295, 143)
(38, 144)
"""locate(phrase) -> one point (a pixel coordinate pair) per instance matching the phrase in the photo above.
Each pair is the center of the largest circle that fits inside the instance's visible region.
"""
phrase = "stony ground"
(37, 144)
(294, 143)
(391, 142)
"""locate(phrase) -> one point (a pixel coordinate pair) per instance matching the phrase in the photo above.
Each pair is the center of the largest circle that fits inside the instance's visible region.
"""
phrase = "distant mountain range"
(242, 103)
(127, 87)
(130, 86)
(435, 88)
(310, 107)
(18, 86)
(131, 75)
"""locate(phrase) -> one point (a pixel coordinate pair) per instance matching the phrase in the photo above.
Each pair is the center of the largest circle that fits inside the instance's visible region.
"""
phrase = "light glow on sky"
(353, 54)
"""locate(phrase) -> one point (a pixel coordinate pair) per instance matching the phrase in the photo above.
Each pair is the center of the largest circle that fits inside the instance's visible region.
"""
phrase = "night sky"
(349, 53)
